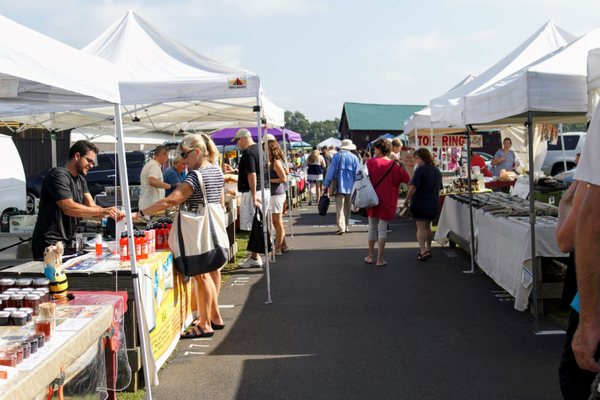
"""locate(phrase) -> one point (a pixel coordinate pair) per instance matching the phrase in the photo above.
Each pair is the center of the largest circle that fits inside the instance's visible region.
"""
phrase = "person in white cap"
(343, 169)
(250, 184)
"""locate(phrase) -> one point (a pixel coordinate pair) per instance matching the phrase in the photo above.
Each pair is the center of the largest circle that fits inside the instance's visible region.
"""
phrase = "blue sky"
(312, 55)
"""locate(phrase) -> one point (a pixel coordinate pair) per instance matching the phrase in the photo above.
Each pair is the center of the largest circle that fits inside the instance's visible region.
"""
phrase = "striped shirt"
(213, 182)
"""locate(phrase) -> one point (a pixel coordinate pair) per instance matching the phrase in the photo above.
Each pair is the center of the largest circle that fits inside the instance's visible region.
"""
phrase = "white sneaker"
(251, 263)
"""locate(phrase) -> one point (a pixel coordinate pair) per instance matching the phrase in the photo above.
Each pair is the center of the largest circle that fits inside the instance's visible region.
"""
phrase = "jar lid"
(4, 297)
(4, 314)
(24, 281)
(16, 297)
(7, 281)
(41, 281)
(10, 309)
(32, 297)
(28, 310)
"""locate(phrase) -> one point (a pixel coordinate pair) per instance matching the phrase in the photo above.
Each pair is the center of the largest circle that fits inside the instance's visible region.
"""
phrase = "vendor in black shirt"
(65, 199)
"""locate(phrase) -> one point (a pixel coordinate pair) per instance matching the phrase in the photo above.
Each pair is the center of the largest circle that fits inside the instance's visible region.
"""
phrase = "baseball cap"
(268, 137)
(241, 134)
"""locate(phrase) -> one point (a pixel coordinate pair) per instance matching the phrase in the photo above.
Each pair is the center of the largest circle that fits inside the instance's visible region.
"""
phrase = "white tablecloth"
(503, 246)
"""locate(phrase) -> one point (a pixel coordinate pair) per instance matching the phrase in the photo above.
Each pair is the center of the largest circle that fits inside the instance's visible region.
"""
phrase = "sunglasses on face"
(185, 154)
(90, 161)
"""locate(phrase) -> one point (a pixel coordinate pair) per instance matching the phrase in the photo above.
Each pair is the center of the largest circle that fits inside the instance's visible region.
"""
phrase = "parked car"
(566, 176)
(553, 162)
(486, 157)
(101, 179)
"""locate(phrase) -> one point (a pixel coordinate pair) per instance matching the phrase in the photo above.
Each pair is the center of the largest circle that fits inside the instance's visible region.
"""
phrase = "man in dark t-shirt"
(250, 184)
(65, 199)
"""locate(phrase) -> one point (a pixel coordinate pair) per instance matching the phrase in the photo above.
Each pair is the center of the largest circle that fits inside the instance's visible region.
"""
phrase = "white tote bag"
(363, 194)
(198, 240)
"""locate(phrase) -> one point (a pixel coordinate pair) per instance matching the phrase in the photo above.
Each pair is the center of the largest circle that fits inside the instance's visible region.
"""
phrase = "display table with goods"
(75, 343)
(502, 240)
(166, 298)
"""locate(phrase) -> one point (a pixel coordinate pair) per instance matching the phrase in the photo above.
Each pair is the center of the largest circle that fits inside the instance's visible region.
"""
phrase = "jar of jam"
(4, 317)
(16, 300)
(6, 283)
(28, 311)
(41, 338)
(8, 358)
(26, 346)
(4, 299)
(45, 326)
(43, 293)
(32, 301)
(22, 283)
(33, 342)
(41, 283)
(17, 351)
(19, 318)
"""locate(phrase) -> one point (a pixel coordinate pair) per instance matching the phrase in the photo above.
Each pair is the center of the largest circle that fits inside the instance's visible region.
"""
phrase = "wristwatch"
(146, 217)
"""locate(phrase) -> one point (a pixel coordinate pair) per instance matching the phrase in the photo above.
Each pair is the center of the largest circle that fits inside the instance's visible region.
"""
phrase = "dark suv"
(101, 179)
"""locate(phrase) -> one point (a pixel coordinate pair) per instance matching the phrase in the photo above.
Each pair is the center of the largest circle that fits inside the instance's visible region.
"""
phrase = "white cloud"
(273, 7)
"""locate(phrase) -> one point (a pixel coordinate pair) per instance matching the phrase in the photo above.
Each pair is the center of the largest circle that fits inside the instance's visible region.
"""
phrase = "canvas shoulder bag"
(198, 240)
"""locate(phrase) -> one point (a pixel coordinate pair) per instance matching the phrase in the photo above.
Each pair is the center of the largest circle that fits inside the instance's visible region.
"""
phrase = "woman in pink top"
(386, 176)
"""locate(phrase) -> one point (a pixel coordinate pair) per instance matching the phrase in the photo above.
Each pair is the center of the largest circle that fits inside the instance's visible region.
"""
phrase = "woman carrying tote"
(278, 178)
(201, 154)
(423, 199)
(386, 176)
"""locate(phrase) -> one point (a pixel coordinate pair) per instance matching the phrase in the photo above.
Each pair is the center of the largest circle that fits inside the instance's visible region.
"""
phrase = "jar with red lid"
(32, 301)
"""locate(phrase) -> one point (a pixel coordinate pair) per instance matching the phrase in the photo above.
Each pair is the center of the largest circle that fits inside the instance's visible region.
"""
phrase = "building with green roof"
(363, 123)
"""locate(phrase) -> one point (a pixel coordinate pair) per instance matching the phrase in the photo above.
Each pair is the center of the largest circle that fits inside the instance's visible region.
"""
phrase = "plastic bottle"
(98, 245)
(144, 244)
(138, 245)
(150, 240)
(159, 236)
(124, 247)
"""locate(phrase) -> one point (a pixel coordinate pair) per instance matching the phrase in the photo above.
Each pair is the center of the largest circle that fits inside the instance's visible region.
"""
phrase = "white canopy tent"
(451, 106)
(332, 141)
(554, 84)
(42, 75)
(593, 81)
(166, 86)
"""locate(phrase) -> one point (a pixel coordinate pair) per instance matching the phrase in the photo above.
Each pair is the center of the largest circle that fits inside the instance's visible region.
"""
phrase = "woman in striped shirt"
(201, 155)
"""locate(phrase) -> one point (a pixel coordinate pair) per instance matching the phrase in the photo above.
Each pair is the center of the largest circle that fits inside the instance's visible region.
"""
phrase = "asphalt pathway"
(342, 329)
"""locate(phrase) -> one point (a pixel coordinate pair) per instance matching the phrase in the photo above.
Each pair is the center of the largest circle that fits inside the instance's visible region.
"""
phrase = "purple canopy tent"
(223, 137)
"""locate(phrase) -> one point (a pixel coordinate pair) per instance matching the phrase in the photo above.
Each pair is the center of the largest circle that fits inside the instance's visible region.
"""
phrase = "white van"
(12, 176)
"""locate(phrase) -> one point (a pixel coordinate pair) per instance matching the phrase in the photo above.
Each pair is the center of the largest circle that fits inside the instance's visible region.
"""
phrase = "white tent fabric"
(166, 86)
(420, 122)
(554, 84)
(332, 141)
(39, 74)
(593, 81)
(451, 107)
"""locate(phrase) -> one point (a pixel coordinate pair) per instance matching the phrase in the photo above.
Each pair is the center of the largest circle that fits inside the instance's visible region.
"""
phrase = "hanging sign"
(449, 141)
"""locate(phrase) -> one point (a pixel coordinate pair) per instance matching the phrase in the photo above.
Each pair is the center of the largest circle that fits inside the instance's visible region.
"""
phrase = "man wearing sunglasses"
(65, 200)
(151, 178)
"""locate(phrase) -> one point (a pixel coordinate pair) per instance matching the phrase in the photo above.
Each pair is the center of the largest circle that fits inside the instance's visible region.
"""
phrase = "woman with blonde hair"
(315, 164)
(278, 178)
(201, 155)
(423, 199)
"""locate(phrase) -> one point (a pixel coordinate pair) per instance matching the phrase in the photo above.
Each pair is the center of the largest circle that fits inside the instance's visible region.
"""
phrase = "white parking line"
(226, 306)
(199, 345)
(187, 353)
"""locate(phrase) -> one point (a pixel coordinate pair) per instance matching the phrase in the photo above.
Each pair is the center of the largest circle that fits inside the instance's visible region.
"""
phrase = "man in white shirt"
(151, 178)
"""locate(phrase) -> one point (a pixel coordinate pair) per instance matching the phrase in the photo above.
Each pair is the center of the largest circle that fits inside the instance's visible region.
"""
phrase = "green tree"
(297, 122)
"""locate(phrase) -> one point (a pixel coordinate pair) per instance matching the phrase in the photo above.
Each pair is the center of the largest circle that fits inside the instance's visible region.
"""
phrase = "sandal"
(194, 332)
(368, 260)
(421, 257)
(382, 264)
(427, 254)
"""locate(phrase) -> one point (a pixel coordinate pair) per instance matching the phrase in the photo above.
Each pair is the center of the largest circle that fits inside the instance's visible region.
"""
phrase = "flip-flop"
(368, 260)
(194, 332)
(382, 264)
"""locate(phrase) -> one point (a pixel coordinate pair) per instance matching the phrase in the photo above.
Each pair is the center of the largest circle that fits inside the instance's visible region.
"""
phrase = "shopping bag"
(363, 195)
(323, 205)
(256, 241)
(198, 240)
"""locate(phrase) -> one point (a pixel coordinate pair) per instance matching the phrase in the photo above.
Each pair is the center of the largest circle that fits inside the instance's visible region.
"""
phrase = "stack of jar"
(20, 299)
(146, 242)
(14, 352)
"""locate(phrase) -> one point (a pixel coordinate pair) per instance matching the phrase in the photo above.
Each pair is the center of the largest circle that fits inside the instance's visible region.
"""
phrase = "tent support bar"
(534, 261)
(143, 331)
(261, 158)
(470, 188)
